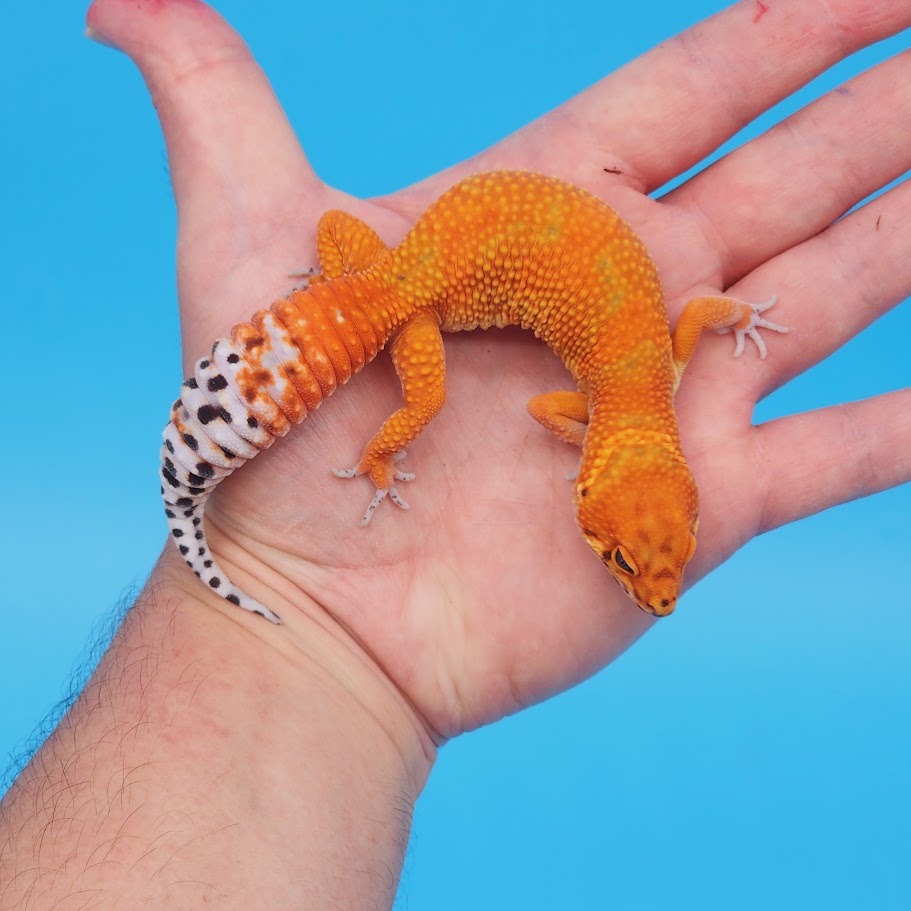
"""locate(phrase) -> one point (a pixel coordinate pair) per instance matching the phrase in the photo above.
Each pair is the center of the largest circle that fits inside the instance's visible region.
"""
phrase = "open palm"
(484, 598)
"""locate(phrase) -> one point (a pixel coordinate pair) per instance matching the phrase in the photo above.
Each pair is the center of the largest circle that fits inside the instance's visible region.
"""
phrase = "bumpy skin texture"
(498, 249)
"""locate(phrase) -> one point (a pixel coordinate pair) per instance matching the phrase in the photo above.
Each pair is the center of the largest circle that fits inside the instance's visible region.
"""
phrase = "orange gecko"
(498, 249)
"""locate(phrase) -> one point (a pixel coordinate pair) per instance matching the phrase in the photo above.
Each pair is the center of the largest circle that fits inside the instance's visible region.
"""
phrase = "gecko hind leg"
(419, 360)
(344, 245)
(381, 493)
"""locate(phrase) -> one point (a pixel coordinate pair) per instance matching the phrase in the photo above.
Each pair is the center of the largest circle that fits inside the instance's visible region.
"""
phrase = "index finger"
(664, 112)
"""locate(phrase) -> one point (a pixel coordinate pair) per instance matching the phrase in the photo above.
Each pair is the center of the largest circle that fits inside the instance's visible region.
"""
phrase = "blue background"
(752, 752)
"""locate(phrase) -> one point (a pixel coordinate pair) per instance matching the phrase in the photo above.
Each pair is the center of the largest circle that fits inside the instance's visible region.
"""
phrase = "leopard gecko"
(497, 249)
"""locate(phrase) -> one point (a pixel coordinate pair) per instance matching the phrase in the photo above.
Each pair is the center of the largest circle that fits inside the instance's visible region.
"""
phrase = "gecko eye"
(625, 562)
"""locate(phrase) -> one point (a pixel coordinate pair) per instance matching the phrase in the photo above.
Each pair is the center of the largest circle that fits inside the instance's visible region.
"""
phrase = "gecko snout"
(660, 607)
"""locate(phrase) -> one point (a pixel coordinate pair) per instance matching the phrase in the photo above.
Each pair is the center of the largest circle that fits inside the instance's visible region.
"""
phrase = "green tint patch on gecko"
(498, 249)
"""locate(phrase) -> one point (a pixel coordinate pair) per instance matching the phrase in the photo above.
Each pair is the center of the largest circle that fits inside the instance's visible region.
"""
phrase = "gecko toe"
(397, 499)
(378, 498)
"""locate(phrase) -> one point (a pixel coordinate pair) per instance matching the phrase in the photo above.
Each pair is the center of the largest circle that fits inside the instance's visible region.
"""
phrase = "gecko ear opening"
(624, 562)
(692, 549)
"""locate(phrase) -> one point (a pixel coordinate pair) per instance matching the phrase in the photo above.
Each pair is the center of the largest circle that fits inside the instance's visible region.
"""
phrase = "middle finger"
(795, 180)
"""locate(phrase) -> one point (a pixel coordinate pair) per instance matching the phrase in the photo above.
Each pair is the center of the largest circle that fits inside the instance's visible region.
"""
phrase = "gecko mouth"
(663, 608)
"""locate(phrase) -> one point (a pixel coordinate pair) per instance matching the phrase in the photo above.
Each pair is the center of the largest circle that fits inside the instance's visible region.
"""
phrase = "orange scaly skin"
(506, 248)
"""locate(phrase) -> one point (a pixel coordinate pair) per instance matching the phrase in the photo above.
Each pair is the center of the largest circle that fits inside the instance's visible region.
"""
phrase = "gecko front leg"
(723, 314)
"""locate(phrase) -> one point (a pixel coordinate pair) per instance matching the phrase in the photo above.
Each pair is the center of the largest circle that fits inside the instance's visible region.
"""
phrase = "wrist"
(214, 754)
(309, 648)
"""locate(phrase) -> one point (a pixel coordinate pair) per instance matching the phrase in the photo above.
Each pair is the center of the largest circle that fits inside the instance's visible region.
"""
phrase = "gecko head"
(639, 514)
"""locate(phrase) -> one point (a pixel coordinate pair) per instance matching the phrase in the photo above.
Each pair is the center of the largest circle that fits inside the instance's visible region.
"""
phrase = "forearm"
(210, 758)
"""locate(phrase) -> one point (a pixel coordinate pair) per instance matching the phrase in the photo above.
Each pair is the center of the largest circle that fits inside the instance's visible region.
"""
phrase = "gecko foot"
(381, 492)
(754, 324)
(378, 498)
(304, 280)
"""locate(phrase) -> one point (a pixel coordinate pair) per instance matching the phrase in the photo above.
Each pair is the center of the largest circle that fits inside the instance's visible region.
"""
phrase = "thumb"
(234, 159)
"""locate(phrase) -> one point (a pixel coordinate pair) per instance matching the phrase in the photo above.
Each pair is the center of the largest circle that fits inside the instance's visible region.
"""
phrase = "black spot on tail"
(205, 414)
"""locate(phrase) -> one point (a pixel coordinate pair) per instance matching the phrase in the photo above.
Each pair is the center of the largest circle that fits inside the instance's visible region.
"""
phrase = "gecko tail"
(186, 527)
(210, 434)
(250, 391)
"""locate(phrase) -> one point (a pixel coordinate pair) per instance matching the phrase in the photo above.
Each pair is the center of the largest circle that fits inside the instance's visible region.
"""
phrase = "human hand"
(451, 600)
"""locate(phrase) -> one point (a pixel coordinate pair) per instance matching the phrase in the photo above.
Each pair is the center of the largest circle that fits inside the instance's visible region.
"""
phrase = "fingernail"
(94, 35)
